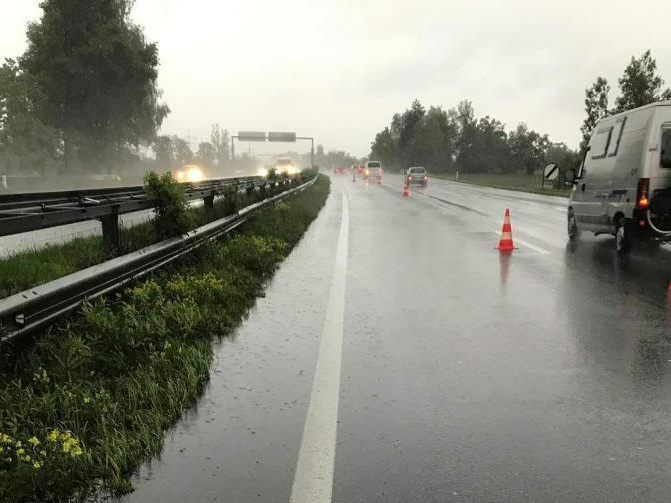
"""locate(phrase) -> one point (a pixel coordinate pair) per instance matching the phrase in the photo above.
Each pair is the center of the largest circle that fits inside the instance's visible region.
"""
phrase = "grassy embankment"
(92, 399)
(519, 182)
(33, 267)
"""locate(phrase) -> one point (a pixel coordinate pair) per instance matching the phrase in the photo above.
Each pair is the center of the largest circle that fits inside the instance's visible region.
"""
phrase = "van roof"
(666, 103)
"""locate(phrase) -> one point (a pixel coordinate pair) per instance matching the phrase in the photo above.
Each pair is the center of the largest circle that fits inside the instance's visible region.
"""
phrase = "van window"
(616, 137)
(373, 164)
(666, 148)
(600, 143)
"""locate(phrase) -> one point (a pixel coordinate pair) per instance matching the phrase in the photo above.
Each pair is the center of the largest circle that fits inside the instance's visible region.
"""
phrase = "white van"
(623, 186)
(373, 171)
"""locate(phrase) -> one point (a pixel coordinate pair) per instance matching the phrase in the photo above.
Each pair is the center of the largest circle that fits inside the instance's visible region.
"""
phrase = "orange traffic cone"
(506, 243)
(406, 190)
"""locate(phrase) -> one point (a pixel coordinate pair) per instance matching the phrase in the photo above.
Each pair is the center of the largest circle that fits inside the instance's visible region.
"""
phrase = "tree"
(220, 140)
(640, 84)
(206, 154)
(385, 148)
(464, 117)
(26, 144)
(182, 151)
(596, 107)
(163, 150)
(528, 148)
(98, 77)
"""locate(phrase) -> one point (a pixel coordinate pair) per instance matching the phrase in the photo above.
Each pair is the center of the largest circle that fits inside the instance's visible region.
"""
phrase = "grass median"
(518, 182)
(91, 400)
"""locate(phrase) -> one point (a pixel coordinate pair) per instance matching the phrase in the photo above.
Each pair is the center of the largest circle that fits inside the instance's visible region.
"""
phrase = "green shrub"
(171, 204)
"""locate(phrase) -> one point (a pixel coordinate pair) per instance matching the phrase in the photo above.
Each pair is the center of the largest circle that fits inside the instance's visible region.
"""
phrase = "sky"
(339, 70)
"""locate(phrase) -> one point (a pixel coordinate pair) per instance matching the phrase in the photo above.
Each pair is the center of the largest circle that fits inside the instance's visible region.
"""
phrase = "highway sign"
(281, 136)
(251, 136)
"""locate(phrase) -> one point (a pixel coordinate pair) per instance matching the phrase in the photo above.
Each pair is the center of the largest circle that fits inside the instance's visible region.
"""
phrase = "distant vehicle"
(623, 185)
(286, 165)
(340, 170)
(373, 171)
(189, 173)
(362, 168)
(416, 176)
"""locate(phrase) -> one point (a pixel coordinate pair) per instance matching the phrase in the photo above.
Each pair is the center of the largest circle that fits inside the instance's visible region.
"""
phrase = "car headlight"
(195, 175)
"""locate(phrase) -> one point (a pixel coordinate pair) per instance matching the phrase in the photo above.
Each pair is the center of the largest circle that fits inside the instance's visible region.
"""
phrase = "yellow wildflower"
(37, 465)
(66, 447)
(2, 449)
(34, 441)
(18, 443)
(87, 399)
(77, 451)
(43, 453)
(20, 452)
(53, 436)
(5, 439)
(27, 459)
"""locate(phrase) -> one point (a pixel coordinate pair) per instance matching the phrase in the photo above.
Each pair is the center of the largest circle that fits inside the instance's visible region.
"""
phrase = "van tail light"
(642, 194)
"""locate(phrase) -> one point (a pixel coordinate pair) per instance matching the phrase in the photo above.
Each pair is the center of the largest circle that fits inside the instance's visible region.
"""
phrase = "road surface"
(397, 357)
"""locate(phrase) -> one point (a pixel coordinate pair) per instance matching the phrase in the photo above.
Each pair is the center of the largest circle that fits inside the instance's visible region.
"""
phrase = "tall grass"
(83, 407)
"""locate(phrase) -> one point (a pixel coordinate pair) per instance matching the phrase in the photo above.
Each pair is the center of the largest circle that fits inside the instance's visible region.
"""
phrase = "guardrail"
(28, 212)
(32, 309)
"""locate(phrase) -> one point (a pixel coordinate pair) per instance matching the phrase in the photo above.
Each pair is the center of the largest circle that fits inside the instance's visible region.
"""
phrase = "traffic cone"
(406, 190)
(506, 243)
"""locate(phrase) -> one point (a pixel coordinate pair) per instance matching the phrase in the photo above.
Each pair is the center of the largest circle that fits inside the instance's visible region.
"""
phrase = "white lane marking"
(526, 244)
(313, 481)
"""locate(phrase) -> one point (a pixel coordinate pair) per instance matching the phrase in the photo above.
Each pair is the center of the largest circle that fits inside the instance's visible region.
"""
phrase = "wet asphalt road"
(465, 375)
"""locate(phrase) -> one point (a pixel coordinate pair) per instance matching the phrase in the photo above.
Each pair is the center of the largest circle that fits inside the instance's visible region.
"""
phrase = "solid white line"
(313, 481)
(526, 244)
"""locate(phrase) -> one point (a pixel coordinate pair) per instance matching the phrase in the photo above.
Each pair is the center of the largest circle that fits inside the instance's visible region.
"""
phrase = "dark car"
(416, 176)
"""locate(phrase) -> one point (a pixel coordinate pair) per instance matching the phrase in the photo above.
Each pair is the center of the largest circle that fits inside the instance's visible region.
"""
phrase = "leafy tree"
(182, 151)
(26, 144)
(207, 154)
(528, 148)
(385, 148)
(640, 84)
(596, 107)
(220, 140)
(98, 77)
(163, 150)
(467, 139)
(408, 122)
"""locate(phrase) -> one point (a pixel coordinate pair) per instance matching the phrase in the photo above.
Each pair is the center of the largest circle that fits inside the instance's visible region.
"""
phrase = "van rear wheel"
(622, 236)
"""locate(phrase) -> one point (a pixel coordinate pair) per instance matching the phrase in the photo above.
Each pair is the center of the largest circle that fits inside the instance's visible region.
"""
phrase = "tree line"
(455, 139)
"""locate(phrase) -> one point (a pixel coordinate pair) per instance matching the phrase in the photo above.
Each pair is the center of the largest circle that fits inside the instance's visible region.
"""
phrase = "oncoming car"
(286, 165)
(190, 173)
(373, 171)
(416, 176)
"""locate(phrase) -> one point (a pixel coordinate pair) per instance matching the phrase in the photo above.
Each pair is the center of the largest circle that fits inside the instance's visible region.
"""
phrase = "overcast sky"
(338, 70)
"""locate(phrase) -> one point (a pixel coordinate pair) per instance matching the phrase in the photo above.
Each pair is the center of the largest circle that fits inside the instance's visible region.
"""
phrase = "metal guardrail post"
(208, 202)
(110, 225)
